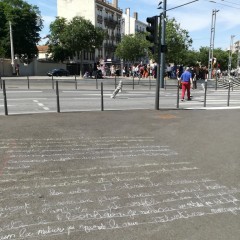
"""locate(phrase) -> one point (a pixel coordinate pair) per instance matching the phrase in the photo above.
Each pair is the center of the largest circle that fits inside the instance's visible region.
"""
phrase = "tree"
(56, 47)
(178, 42)
(132, 47)
(68, 39)
(26, 26)
(221, 56)
(71, 38)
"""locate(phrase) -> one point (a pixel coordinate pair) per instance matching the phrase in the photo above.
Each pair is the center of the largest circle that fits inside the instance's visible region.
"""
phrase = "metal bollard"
(96, 82)
(133, 82)
(229, 86)
(28, 82)
(102, 108)
(5, 98)
(57, 93)
(205, 93)
(178, 94)
(216, 83)
(52, 83)
(75, 82)
(115, 81)
(1, 82)
(150, 83)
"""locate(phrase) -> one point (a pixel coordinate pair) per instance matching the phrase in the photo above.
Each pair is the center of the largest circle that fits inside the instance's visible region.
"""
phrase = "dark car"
(58, 72)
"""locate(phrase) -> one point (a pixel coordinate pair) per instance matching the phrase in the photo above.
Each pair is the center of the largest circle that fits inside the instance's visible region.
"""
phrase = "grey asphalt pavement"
(120, 175)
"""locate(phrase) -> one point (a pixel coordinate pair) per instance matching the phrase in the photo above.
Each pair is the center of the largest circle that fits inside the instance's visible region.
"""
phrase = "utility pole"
(163, 43)
(230, 55)
(210, 60)
(238, 59)
(12, 49)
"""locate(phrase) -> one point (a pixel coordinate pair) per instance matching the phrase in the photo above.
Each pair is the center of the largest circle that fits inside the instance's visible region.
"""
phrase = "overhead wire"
(226, 5)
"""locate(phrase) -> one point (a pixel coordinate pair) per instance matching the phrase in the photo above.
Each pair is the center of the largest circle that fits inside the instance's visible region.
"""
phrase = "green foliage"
(69, 38)
(221, 55)
(26, 26)
(132, 47)
(178, 42)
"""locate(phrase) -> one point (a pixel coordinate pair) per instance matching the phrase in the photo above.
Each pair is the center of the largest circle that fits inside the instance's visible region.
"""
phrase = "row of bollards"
(3, 86)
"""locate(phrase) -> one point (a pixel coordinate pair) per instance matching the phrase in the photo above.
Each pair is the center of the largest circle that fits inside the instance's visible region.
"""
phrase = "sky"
(195, 17)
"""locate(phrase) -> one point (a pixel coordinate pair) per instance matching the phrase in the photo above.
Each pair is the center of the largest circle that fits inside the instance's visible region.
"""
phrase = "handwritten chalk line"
(135, 214)
(100, 157)
(91, 151)
(94, 157)
(88, 148)
(84, 140)
(115, 225)
(76, 138)
(214, 211)
(101, 214)
(100, 168)
(6, 158)
(170, 183)
(102, 174)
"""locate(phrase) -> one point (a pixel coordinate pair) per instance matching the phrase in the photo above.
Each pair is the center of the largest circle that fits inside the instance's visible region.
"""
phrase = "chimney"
(135, 15)
(115, 3)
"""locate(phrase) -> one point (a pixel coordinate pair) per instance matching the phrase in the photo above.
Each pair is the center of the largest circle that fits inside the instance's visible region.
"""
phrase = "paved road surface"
(120, 175)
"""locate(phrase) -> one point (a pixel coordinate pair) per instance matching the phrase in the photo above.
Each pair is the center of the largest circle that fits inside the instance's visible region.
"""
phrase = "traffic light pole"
(162, 40)
(158, 66)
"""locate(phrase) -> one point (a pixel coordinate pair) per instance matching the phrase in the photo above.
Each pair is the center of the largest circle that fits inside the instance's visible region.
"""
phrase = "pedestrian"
(169, 71)
(186, 80)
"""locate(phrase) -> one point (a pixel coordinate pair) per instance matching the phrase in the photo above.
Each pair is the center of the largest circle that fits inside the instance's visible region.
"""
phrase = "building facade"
(101, 13)
(131, 25)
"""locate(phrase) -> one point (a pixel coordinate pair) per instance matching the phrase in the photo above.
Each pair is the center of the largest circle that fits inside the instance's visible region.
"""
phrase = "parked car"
(58, 72)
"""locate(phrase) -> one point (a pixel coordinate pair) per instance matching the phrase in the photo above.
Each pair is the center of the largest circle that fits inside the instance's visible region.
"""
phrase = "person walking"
(186, 80)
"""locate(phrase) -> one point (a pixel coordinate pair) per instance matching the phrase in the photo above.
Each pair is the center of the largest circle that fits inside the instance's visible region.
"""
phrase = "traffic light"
(152, 28)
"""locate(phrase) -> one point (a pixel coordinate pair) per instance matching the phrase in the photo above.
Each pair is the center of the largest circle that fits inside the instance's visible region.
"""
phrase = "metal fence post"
(178, 85)
(28, 82)
(229, 86)
(133, 82)
(52, 83)
(115, 81)
(96, 81)
(75, 82)
(102, 107)
(1, 81)
(205, 93)
(5, 98)
(57, 93)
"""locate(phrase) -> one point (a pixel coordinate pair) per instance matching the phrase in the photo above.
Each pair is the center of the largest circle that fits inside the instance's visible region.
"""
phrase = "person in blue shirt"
(186, 80)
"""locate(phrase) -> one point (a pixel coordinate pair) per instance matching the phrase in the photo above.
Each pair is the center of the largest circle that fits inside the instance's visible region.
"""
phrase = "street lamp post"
(230, 55)
(210, 60)
(12, 49)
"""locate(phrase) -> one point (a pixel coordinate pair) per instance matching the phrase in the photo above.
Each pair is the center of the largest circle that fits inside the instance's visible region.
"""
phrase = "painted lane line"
(41, 105)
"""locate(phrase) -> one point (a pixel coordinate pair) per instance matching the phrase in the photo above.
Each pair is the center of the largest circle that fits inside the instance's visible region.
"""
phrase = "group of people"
(141, 70)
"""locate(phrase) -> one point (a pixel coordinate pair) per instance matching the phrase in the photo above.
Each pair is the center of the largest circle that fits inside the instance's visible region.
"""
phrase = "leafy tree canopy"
(132, 47)
(26, 24)
(67, 39)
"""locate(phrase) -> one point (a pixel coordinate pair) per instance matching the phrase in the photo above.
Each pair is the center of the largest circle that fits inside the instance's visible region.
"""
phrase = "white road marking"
(41, 105)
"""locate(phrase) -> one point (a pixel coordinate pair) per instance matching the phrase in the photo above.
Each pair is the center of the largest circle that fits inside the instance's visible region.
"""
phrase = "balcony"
(109, 47)
(110, 23)
(99, 19)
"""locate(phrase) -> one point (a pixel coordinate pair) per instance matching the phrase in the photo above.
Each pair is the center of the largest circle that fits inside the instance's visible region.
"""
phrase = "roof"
(42, 49)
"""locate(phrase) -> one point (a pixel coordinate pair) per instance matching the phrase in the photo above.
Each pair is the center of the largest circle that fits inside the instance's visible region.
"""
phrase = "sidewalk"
(132, 175)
